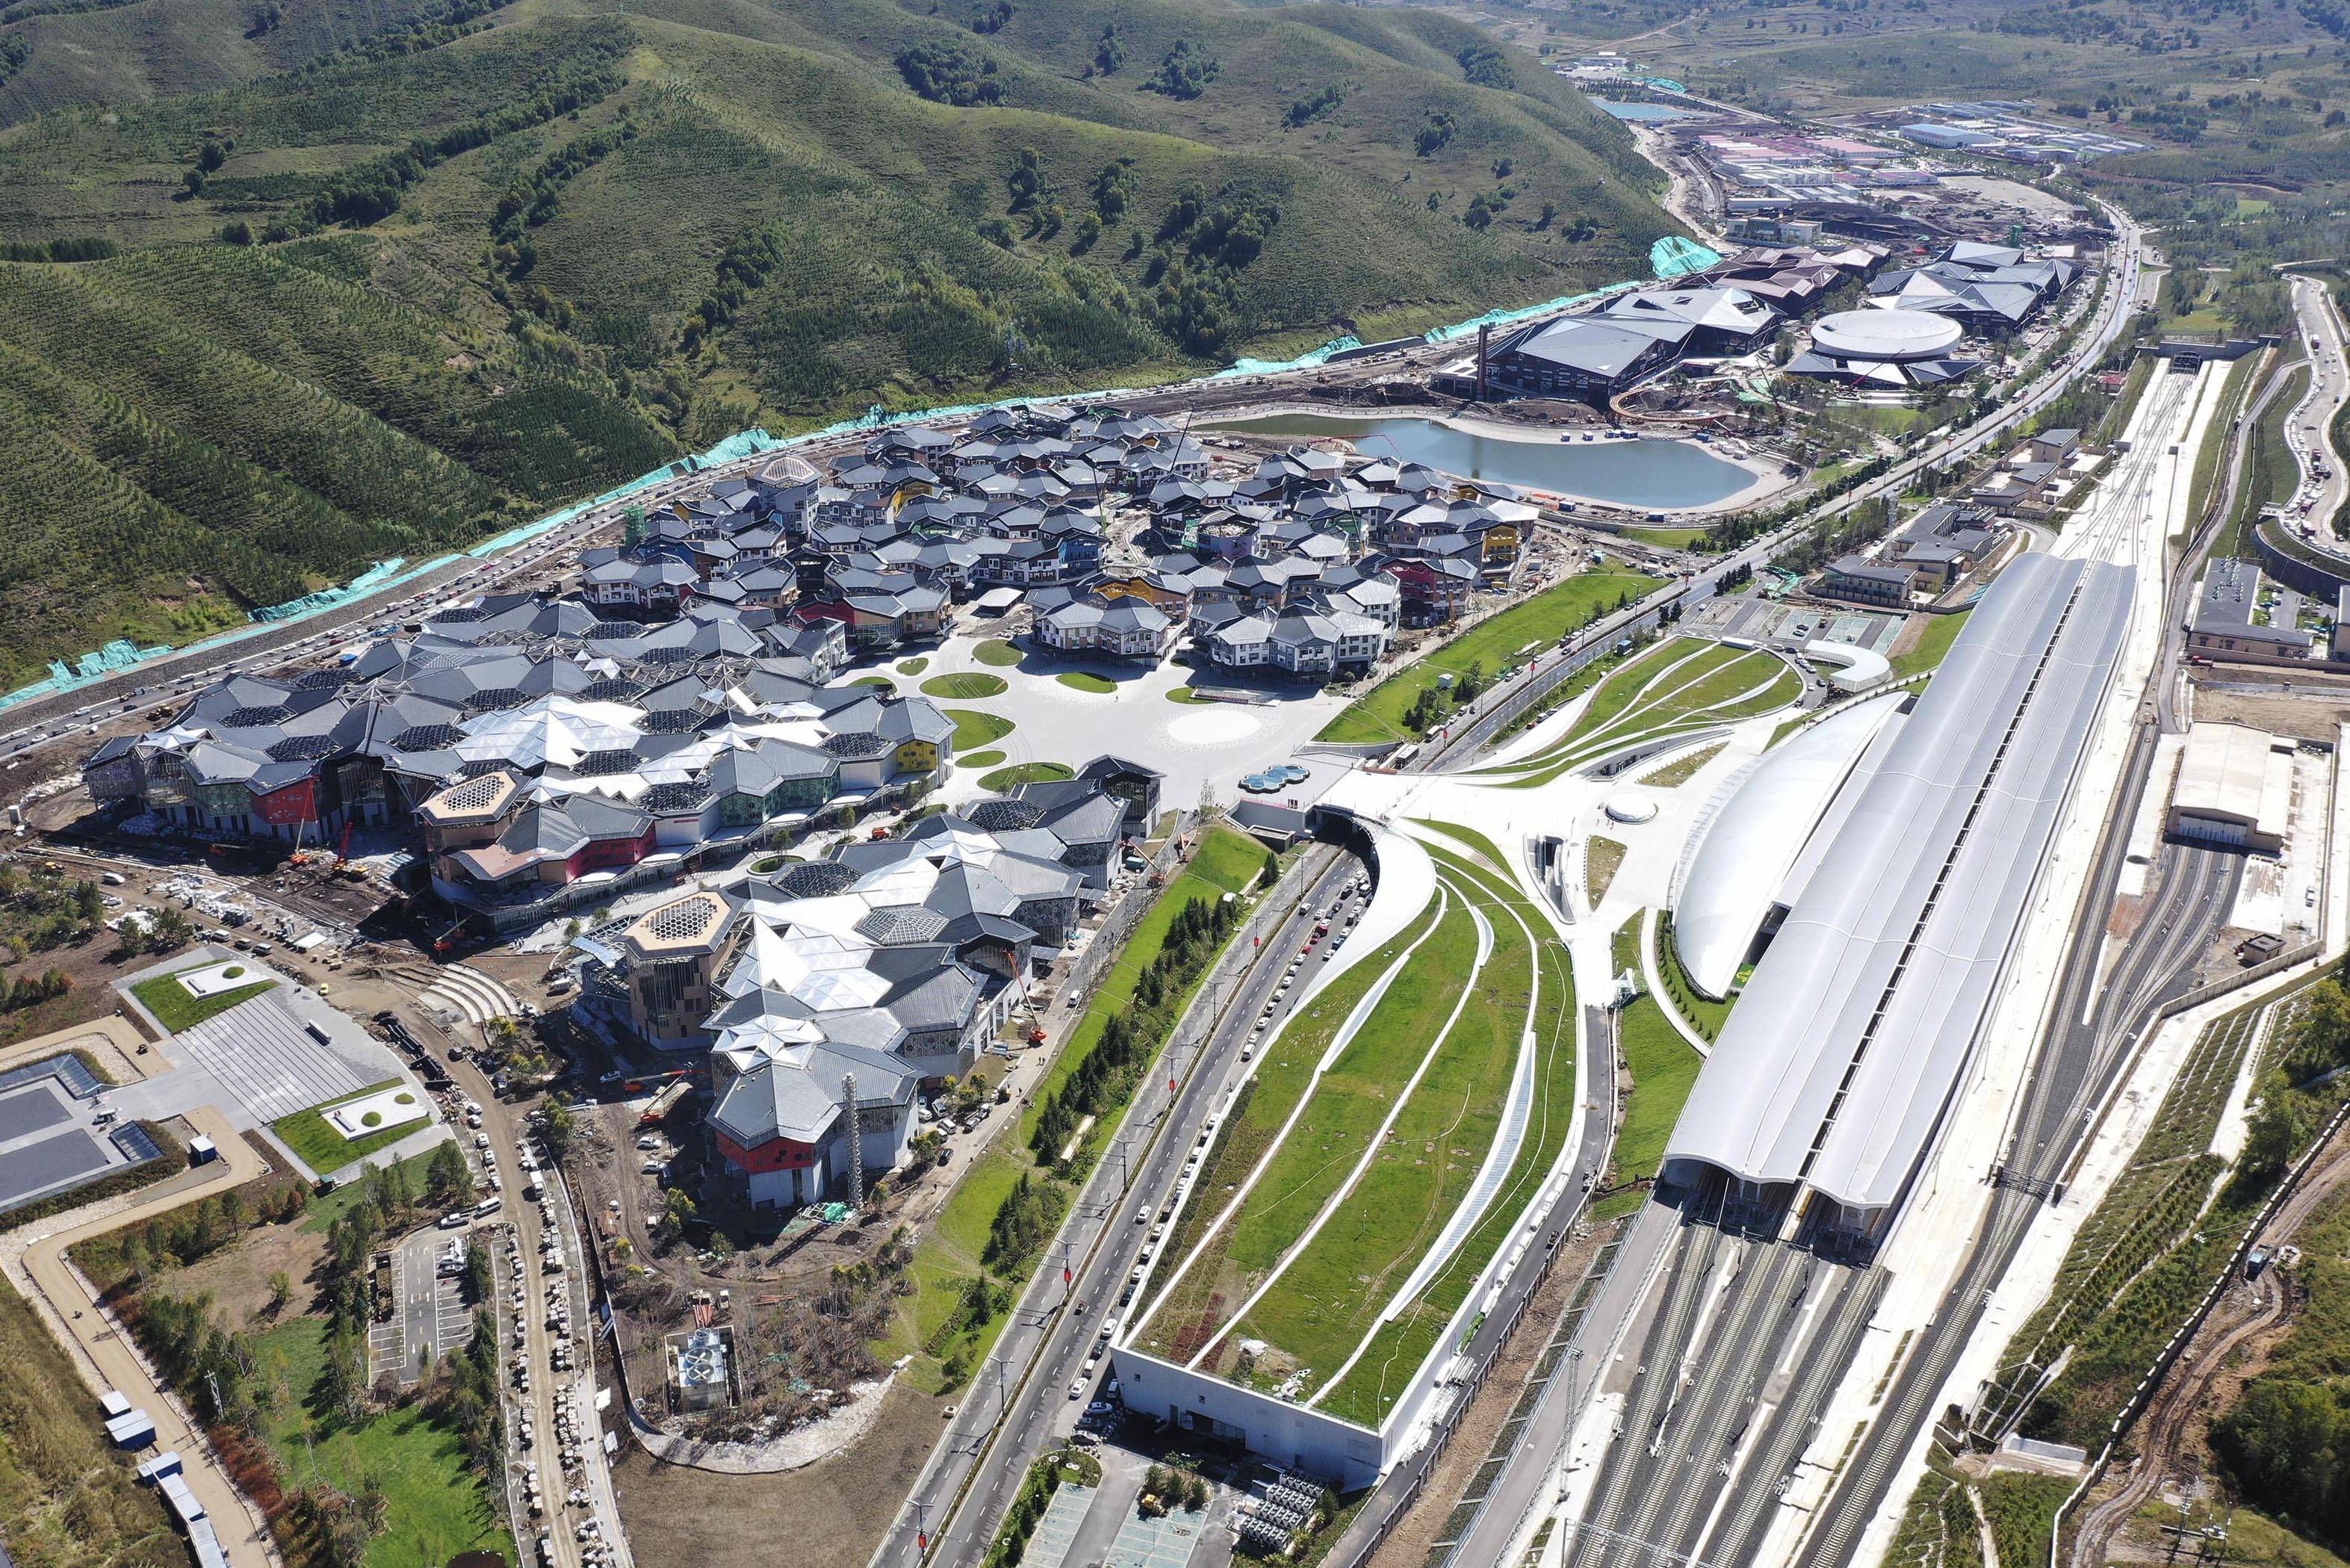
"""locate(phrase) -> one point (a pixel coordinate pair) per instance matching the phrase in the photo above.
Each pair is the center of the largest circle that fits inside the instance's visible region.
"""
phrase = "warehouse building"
(1857, 1024)
(2235, 788)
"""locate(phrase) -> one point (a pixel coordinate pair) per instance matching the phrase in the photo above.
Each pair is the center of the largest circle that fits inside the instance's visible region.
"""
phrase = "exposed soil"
(829, 1515)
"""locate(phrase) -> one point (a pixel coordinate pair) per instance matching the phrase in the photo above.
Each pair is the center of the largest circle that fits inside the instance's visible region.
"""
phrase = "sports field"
(1343, 1216)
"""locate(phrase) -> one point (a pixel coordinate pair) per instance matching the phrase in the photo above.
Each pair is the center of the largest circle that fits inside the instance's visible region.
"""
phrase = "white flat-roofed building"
(2235, 788)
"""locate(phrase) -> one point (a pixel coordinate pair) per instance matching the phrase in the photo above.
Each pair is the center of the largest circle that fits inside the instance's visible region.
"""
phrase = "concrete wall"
(1340, 1452)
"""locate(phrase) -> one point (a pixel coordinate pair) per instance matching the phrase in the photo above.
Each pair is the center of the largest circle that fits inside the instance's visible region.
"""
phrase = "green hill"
(385, 274)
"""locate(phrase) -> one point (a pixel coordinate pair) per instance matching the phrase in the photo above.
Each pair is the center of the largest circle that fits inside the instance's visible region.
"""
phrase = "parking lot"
(428, 1309)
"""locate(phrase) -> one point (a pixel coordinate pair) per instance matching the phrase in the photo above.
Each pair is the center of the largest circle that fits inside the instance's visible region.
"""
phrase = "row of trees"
(1106, 1073)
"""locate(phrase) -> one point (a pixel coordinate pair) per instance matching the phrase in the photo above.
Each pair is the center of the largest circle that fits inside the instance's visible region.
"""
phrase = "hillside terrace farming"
(1391, 1138)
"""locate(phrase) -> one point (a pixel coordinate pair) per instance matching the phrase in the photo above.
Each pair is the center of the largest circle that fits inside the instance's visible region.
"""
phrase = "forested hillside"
(294, 284)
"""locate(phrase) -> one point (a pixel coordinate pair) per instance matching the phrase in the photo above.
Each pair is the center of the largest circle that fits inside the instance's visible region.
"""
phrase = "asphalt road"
(1019, 1402)
(2309, 428)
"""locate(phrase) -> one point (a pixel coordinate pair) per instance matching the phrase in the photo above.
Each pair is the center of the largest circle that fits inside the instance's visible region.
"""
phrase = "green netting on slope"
(1674, 256)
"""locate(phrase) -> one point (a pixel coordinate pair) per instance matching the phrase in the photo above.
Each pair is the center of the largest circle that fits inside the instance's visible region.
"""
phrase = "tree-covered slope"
(403, 270)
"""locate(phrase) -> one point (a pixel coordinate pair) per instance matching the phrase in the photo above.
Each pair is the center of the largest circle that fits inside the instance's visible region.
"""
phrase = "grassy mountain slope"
(403, 270)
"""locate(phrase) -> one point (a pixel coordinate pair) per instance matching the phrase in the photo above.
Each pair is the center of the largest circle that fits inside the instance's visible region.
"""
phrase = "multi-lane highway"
(2309, 428)
(1019, 1402)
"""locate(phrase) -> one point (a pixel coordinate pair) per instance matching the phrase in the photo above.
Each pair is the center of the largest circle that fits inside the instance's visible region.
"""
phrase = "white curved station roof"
(1856, 1027)
(1752, 832)
(1889, 334)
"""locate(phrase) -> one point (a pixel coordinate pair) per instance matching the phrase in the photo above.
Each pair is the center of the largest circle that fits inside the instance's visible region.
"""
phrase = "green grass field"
(1284, 1075)
(1522, 629)
(1087, 680)
(1332, 1287)
(1398, 1347)
(974, 728)
(914, 666)
(1664, 1069)
(1003, 779)
(1932, 647)
(1680, 686)
(317, 1145)
(996, 652)
(980, 759)
(966, 685)
(435, 1506)
(176, 1009)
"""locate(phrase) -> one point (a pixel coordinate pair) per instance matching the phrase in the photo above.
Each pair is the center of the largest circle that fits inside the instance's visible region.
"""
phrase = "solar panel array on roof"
(427, 737)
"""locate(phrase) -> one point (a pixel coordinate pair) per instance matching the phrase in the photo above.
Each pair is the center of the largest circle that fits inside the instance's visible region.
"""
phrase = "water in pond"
(1653, 475)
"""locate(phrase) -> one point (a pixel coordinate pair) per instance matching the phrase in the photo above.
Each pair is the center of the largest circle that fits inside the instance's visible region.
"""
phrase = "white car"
(1077, 1388)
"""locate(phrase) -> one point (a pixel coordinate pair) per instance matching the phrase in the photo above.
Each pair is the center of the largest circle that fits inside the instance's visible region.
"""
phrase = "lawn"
(1284, 1072)
(1087, 680)
(966, 685)
(1328, 1297)
(980, 759)
(1523, 628)
(1400, 1344)
(323, 1211)
(996, 652)
(1683, 768)
(974, 728)
(1475, 840)
(914, 666)
(434, 1506)
(1663, 1067)
(1933, 643)
(1184, 694)
(176, 1009)
(1666, 538)
(315, 1141)
(1655, 698)
(1602, 858)
(1230, 860)
(1003, 779)
(883, 681)
(1706, 1017)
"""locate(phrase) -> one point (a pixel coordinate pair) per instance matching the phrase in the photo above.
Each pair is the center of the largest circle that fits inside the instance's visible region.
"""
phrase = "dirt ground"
(2305, 717)
(1407, 1544)
(238, 1276)
(832, 1515)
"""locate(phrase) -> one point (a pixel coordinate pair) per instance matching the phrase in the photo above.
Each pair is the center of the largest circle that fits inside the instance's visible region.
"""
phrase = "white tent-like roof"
(1750, 834)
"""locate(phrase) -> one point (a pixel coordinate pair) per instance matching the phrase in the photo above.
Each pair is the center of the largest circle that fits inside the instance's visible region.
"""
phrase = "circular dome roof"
(1629, 809)
(1885, 334)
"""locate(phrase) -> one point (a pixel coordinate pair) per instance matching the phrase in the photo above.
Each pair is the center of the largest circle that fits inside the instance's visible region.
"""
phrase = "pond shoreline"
(1765, 476)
